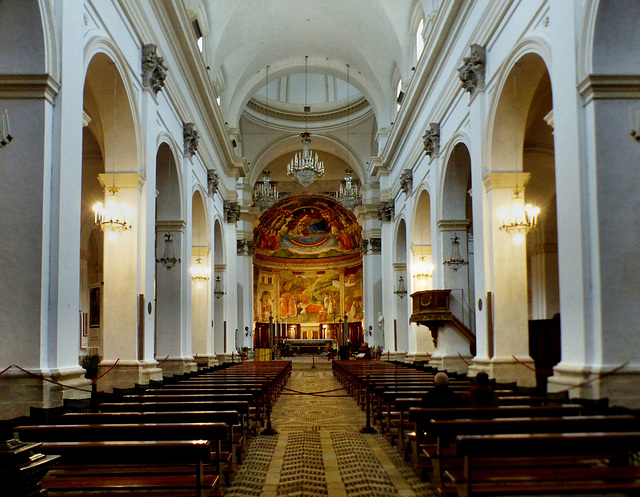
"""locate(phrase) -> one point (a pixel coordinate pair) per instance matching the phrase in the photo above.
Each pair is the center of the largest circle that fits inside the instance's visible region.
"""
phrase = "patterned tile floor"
(319, 450)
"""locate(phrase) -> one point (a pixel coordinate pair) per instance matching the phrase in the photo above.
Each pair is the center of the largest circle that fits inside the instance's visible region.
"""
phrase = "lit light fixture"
(111, 217)
(305, 167)
(456, 259)
(348, 193)
(168, 259)
(518, 219)
(217, 289)
(266, 193)
(423, 270)
(402, 288)
(200, 273)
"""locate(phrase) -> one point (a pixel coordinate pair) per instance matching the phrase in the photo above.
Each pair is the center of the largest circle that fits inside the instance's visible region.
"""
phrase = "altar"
(309, 345)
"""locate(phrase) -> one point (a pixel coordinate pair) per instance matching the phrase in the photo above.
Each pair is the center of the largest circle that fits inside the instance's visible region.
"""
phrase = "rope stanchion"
(313, 360)
(367, 428)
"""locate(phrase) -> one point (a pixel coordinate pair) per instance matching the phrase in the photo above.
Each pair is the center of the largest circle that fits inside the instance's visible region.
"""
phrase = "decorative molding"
(154, 71)
(364, 245)
(246, 247)
(170, 226)
(472, 71)
(610, 86)
(386, 211)
(376, 245)
(191, 139)
(406, 182)
(231, 211)
(311, 117)
(213, 180)
(14, 86)
(431, 140)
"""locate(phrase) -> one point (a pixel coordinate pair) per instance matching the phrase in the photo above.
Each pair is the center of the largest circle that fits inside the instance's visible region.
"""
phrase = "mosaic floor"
(319, 450)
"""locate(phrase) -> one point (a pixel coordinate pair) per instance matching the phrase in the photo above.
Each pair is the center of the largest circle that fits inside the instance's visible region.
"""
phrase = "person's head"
(441, 379)
(482, 379)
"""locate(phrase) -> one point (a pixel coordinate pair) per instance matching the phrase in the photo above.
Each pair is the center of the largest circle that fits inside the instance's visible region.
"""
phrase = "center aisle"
(319, 449)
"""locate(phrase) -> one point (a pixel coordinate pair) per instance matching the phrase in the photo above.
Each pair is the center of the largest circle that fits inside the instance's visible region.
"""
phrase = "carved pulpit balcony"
(430, 308)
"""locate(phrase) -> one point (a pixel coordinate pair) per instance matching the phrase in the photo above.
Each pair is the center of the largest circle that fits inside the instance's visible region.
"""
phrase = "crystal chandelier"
(348, 193)
(423, 270)
(200, 273)
(265, 192)
(456, 259)
(518, 219)
(304, 166)
(111, 217)
(401, 291)
(168, 259)
(217, 289)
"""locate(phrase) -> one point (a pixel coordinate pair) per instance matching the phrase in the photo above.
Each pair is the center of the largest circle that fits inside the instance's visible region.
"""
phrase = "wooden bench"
(563, 463)
(215, 433)
(421, 419)
(148, 468)
(232, 447)
(443, 455)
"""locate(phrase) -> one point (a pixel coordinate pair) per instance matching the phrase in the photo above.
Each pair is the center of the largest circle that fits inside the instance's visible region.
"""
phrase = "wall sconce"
(423, 270)
(217, 289)
(402, 288)
(6, 137)
(456, 259)
(168, 260)
(248, 332)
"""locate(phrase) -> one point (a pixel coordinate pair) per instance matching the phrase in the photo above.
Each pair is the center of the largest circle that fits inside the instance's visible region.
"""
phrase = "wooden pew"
(445, 431)
(141, 468)
(563, 463)
(215, 433)
(421, 417)
(232, 447)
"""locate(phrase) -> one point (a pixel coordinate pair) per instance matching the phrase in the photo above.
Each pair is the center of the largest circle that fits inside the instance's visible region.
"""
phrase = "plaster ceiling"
(244, 36)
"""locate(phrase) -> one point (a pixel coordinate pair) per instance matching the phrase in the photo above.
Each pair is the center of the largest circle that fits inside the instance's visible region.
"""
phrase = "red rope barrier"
(108, 370)
(312, 393)
(163, 360)
(464, 360)
(40, 377)
(5, 370)
(545, 372)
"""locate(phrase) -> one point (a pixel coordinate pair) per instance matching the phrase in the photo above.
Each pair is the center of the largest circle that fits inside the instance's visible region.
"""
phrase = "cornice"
(34, 86)
(609, 87)
(301, 265)
(330, 115)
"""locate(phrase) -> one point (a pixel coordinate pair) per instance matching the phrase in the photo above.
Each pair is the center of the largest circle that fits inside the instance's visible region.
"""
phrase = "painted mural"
(308, 264)
(309, 226)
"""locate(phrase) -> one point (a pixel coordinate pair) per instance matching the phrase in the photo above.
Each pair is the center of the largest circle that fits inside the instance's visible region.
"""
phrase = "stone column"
(372, 282)
(245, 291)
(508, 261)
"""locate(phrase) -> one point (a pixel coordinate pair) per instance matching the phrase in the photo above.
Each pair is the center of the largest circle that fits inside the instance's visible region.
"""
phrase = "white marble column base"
(596, 383)
(126, 374)
(19, 391)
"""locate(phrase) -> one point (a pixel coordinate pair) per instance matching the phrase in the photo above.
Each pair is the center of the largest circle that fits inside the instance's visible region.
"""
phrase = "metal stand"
(269, 430)
(368, 428)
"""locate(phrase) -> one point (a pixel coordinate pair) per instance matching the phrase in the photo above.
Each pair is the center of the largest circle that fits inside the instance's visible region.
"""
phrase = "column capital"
(170, 226)
(505, 180)
(454, 224)
(122, 180)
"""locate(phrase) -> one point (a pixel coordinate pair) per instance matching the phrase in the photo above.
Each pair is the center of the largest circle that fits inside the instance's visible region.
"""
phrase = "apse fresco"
(305, 227)
(310, 298)
(308, 264)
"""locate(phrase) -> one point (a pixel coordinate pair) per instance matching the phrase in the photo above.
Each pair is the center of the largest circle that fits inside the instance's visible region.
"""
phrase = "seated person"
(441, 396)
(481, 394)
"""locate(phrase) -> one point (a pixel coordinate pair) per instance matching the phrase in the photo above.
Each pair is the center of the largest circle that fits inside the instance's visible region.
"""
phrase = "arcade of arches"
(437, 111)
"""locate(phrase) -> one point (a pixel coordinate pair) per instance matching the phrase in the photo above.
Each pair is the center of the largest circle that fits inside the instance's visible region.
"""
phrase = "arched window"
(419, 40)
(399, 95)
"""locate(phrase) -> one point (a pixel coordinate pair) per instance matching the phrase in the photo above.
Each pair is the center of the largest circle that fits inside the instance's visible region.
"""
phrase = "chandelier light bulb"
(112, 216)
(518, 219)
(200, 273)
